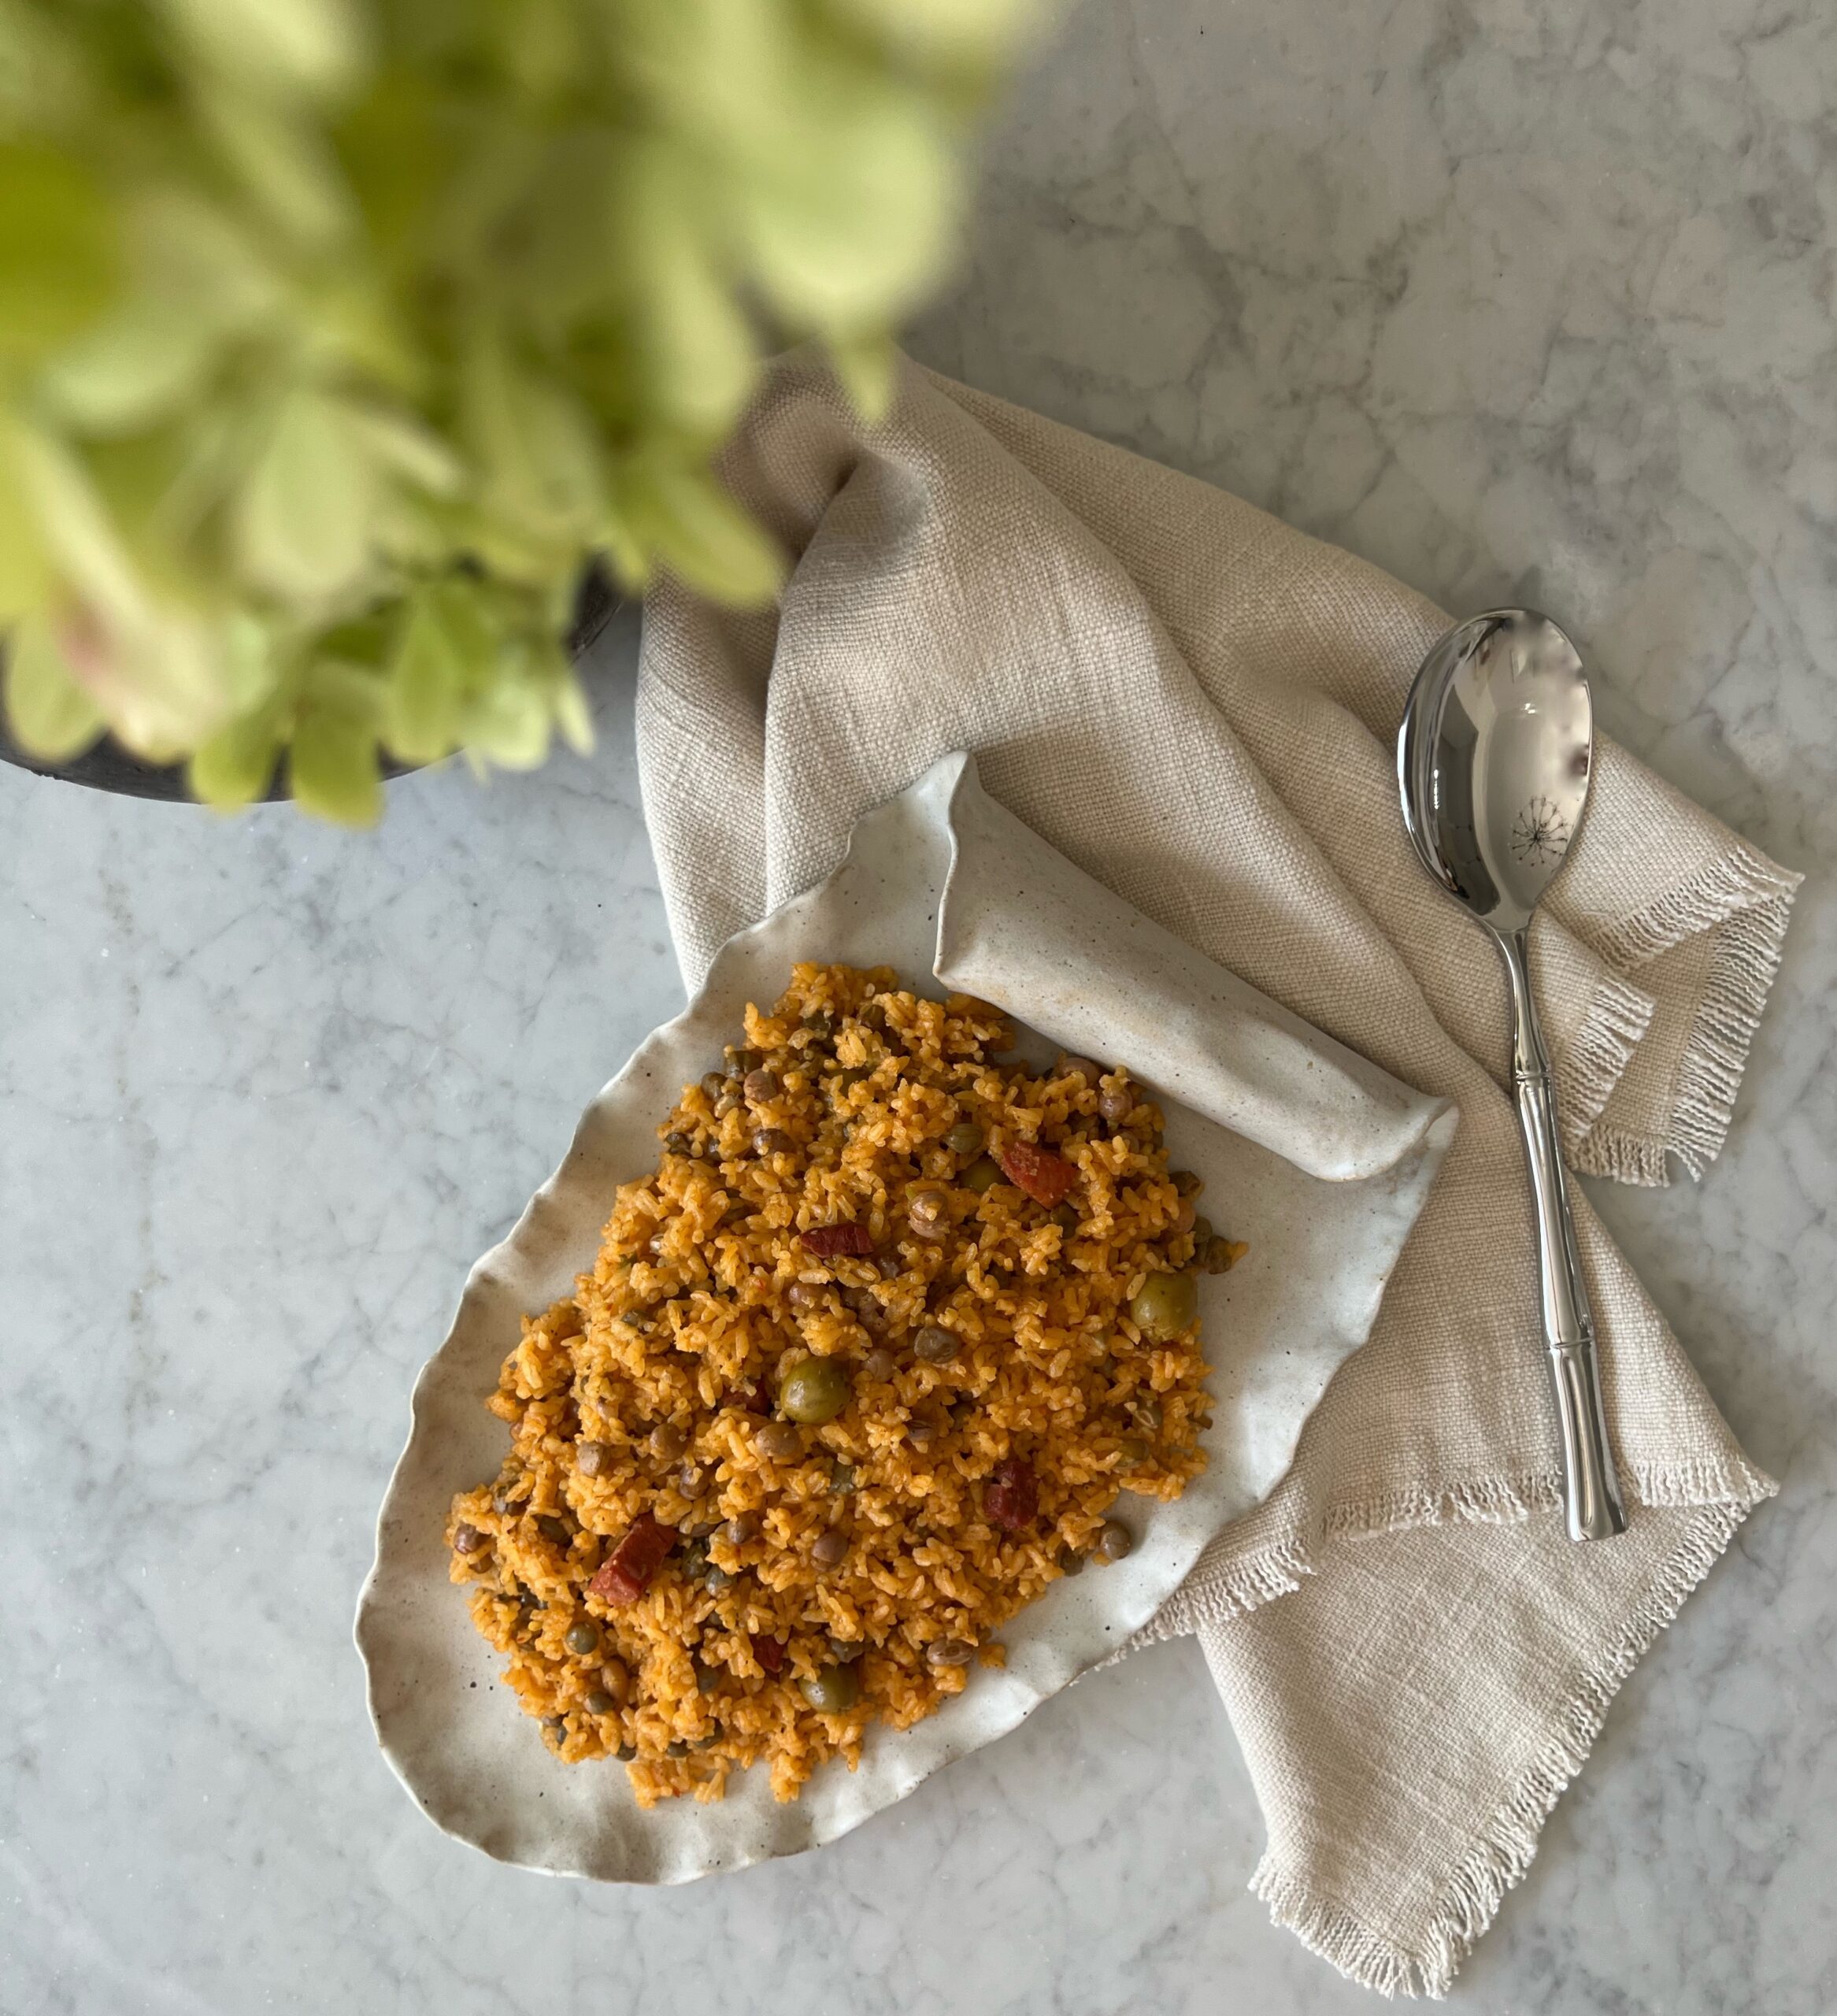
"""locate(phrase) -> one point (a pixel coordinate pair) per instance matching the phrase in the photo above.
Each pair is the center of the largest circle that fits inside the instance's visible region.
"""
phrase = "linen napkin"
(1197, 705)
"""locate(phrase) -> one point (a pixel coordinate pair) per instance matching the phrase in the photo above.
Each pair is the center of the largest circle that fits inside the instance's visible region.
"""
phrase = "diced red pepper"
(769, 1653)
(1046, 1177)
(827, 1241)
(626, 1574)
(1013, 1498)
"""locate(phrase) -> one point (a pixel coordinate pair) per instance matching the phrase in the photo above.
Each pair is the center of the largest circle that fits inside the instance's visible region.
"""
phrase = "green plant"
(336, 336)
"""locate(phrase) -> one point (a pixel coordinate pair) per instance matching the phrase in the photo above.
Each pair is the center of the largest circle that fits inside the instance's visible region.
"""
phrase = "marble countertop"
(1525, 299)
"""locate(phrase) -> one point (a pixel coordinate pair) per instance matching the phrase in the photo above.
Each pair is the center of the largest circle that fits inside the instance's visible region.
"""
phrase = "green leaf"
(539, 661)
(25, 566)
(191, 250)
(284, 163)
(132, 368)
(694, 349)
(42, 82)
(543, 45)
(397, 144)
(48, 712)
(201, 283)
(332, 763)
(709, 67)
(59, 254)
(572, 715)
(399, 443)
(251, 665)
(161, 683)
(850, 216)
(427, 685)
(302, 521)
(75, 528)
(622, 540)
(538, 452)
(472, 610)
(971, 35)
(702, 536)
(869, 367)
(235, 765)
(294, 47)
(508, 722)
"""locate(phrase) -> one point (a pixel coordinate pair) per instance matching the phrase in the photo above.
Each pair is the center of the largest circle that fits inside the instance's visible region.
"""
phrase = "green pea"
(583, 1637)
(815, 1389)
(834, 1690)
(982, 1174)
(965, 1138)
(1166, 1305)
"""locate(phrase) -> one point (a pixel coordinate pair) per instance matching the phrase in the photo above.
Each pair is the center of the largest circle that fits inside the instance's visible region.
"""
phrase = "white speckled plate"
(1315, 1158)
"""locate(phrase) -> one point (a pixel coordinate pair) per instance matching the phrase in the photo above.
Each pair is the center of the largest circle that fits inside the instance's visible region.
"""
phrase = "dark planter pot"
(105, 765)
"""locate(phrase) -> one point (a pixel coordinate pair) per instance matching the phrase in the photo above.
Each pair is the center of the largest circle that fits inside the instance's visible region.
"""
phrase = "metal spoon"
(1493, 760)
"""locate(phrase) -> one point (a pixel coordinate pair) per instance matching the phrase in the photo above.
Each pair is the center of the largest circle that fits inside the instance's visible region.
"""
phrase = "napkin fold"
(1196, 704)
(1019, 927)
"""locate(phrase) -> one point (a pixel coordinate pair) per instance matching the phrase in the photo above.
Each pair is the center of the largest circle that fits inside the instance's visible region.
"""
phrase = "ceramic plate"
(1318, 1160)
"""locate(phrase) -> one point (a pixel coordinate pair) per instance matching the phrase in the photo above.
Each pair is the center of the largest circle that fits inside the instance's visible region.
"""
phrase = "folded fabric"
(1197, 705)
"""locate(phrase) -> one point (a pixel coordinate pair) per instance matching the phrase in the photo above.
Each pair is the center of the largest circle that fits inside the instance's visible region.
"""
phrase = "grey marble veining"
(1526, 300)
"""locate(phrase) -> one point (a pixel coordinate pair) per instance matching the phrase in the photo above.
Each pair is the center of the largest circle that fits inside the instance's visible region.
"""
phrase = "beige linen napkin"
(1197, 705)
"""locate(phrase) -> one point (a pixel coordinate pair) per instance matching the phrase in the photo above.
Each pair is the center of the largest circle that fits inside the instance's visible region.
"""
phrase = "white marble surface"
(1521, 297)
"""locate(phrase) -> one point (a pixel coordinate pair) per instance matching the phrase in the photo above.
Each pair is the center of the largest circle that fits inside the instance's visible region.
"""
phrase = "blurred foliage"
(337, 336)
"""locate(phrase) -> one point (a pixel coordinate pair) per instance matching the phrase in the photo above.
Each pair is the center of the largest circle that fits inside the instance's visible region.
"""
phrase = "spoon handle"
(1591, 1496)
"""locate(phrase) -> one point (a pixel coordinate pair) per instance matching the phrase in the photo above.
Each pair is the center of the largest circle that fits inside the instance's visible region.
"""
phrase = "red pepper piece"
(1013, 1498)
(769, 1653)
(827, 1241)
(626, 1574)
(1046, 1177)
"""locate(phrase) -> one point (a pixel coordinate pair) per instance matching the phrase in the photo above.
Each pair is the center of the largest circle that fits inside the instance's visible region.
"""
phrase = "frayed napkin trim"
(1618, 1017)
(1215, 1595)
(1741, 968)
(1499, 1858)
(1740, 879)
(1747, 903)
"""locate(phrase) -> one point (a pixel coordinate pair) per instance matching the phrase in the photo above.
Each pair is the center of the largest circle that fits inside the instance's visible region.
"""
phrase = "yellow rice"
(687, 1311)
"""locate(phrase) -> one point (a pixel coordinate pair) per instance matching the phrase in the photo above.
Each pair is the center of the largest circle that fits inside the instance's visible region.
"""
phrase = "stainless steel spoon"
(1493, 760)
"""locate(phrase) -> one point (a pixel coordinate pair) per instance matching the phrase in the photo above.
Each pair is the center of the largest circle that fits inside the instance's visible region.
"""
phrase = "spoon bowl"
(1496, 748)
